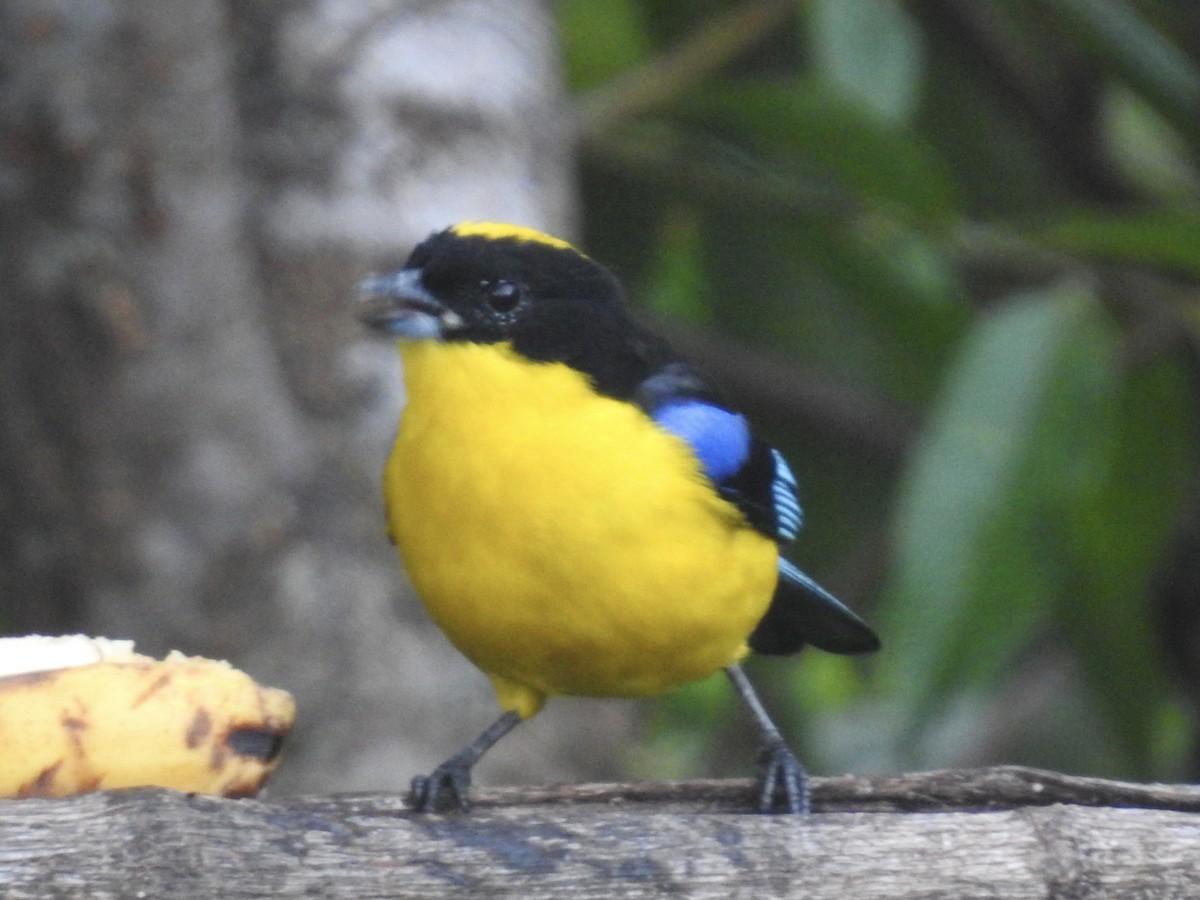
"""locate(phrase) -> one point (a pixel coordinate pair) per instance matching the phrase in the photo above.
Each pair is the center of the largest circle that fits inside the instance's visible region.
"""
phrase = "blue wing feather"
(719, 438)
(788, 514)
(757, 479)
(745, 471)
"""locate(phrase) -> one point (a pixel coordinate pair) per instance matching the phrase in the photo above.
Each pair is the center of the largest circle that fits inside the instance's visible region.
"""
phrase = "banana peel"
(81, 714)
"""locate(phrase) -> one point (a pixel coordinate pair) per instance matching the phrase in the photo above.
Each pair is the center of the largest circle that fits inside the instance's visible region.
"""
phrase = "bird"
(579, 509)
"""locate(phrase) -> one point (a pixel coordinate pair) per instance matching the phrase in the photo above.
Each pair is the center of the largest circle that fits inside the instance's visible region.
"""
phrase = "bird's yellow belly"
(564, 543)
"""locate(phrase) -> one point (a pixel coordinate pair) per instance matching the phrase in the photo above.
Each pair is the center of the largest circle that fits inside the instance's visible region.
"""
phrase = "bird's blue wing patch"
(760, 482)
(788, 515)
(719, 438)
(745, 470)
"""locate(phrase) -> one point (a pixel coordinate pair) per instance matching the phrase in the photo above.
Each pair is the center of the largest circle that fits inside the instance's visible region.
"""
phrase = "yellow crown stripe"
(501, 230)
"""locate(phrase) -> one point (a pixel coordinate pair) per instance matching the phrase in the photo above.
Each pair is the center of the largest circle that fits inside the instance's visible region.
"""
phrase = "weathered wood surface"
(956, 834)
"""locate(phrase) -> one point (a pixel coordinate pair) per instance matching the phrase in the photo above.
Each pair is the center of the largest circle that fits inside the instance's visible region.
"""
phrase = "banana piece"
(83, 714)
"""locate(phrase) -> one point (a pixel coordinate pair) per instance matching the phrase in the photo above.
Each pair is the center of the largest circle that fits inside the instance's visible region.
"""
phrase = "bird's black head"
(486, 282)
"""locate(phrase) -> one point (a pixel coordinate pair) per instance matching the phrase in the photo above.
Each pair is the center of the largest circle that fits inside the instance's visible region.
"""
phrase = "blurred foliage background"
(947, 255)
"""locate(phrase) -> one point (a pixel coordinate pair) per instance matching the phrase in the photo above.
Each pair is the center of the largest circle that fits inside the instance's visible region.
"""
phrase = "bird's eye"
(502, 297)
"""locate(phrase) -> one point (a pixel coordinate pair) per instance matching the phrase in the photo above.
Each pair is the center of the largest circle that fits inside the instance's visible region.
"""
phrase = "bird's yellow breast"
(563, 541)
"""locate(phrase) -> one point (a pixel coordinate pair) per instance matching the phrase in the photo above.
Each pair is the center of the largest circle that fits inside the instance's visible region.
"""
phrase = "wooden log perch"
(1004, 832)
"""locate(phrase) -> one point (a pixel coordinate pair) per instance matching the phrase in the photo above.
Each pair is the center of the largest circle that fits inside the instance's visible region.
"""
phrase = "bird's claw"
(783, 784)
(446, 785)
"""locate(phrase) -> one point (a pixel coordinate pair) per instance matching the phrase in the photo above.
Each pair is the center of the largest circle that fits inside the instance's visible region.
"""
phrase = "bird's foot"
(445, 786)
(450, 782)
(783, 784)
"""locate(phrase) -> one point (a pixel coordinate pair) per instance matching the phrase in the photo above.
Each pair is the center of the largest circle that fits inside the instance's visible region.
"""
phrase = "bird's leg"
(780, 773)
(453, 777)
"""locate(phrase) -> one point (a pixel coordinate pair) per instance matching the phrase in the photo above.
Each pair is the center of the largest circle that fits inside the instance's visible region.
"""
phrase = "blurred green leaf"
(823, 682)
(854, 297)
(807, 130)
(1120, 37)
(1025, 412)
(676, 284)
(1162, 237)
(875, 59)
(682, 726)
(601, 39)
(1149, 152)
(999, 163)
(1115, 540)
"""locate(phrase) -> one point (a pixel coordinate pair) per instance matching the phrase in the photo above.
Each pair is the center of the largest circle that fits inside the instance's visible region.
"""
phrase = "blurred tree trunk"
(191, 425)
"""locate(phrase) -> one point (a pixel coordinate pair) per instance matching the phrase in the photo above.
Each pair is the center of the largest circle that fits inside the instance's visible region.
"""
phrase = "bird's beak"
(399, 304)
